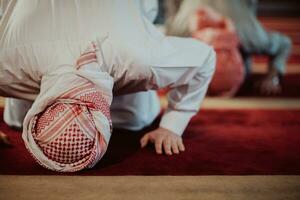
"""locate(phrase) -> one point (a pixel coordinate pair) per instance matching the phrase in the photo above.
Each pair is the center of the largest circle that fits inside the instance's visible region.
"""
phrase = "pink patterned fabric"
(66, 132)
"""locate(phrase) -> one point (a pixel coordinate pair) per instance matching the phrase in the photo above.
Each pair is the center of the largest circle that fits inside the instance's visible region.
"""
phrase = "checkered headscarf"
(72, 132)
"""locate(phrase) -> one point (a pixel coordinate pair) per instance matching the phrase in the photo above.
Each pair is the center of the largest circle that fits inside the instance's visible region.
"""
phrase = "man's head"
(69, 133)
(68, 126)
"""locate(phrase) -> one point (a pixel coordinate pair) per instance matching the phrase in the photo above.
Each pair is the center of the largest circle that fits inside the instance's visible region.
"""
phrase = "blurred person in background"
(218, 31)
(254, 39)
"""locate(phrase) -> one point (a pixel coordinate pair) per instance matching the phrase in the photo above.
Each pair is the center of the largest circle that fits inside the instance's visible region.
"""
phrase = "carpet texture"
(218, 142)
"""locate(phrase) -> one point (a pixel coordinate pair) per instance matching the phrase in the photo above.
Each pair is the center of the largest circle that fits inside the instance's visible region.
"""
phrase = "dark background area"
(282, 8)
(266, 8)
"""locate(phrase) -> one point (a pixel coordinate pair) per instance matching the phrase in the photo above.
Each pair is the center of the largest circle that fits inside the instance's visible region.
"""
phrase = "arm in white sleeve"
(148, 60)
(187, 74)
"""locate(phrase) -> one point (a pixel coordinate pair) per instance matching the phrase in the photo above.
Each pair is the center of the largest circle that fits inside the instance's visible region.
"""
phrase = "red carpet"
(218, 142)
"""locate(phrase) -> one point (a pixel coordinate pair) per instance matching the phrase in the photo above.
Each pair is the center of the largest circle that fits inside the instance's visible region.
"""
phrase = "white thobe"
(43, 39)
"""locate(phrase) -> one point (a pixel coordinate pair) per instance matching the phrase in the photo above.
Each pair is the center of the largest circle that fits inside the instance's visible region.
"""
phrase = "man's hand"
(162, 137)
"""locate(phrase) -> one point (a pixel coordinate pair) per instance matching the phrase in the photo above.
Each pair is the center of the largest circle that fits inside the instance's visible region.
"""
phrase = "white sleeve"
(187, 73)
(149, 60)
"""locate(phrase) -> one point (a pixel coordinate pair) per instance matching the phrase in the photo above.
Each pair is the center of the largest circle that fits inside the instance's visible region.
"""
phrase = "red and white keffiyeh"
(69, 126)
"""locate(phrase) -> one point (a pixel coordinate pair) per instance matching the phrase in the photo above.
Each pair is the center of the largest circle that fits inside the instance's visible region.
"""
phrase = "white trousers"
(132, 111)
